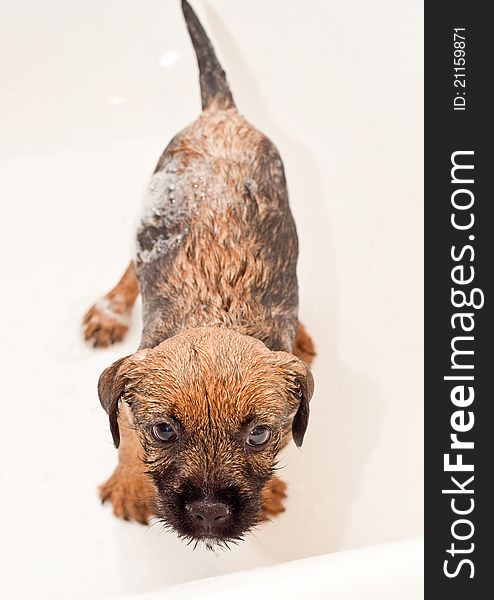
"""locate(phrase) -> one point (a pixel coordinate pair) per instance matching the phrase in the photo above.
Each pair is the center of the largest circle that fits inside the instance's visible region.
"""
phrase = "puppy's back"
(217, 240)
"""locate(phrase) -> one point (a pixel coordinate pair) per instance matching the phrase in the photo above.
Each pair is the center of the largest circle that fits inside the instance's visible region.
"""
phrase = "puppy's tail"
(214, 86)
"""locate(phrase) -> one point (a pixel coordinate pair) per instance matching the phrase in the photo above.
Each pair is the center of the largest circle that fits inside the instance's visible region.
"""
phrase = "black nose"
(208, 515)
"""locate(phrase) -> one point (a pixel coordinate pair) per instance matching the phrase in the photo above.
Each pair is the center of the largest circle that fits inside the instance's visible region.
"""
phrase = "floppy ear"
(302, 387)
(111, 385)
(305, 383)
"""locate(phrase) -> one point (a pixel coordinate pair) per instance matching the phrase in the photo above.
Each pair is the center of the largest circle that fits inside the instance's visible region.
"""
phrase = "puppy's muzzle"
(208, 516)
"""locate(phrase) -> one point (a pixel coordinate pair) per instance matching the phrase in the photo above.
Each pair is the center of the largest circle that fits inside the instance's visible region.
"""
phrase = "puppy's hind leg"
(303, 346)
(107, 321)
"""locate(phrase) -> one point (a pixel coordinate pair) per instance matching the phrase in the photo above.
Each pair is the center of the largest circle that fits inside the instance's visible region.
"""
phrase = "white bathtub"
(91, 92)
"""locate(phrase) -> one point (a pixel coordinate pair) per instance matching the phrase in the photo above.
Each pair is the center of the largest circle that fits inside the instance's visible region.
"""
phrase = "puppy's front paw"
(105, 323)
(272, 498)
(131, 500)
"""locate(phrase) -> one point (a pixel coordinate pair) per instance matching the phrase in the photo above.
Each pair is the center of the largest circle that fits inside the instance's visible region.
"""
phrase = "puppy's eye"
(259, 436)
(164, 432)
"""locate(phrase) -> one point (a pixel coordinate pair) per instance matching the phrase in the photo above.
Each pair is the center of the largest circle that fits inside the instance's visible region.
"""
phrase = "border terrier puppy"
(220, 381)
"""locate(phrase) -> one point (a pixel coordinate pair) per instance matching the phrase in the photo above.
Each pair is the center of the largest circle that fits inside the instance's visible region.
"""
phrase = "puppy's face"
(212, 408)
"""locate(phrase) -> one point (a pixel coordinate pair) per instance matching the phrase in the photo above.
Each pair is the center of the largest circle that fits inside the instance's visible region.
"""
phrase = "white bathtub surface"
(91, 93)
(388, 571)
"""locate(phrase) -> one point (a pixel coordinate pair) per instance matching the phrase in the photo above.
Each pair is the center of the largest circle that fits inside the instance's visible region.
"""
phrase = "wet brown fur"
(240, 246)
(214, 387)
(222, 349)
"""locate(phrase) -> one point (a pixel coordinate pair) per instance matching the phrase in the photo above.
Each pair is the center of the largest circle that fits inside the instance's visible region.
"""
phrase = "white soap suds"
(160, 247)
(173, 197)
(251, 186)
(104, 305)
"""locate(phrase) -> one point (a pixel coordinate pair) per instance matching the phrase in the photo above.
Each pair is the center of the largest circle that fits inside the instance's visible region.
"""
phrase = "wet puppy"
(221, 380)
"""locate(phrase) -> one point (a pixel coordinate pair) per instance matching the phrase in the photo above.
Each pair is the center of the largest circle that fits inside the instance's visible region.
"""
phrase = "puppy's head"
(212, 408)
